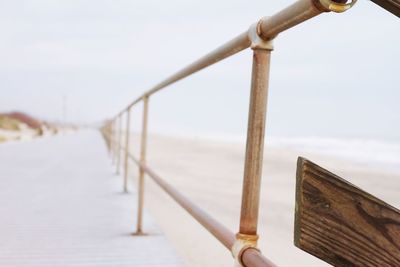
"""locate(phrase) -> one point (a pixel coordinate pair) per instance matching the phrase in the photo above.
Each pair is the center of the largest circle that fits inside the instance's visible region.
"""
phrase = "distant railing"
(259, 37)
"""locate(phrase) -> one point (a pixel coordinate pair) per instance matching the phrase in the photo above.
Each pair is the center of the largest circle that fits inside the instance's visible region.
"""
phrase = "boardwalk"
(61, 205)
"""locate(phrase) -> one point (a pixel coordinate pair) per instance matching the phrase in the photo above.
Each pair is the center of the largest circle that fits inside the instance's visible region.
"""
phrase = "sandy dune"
(210, 173)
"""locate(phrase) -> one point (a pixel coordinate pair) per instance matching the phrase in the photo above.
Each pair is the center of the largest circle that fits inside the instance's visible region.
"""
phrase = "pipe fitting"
(256, 41)
(242, 243)
(337, 6)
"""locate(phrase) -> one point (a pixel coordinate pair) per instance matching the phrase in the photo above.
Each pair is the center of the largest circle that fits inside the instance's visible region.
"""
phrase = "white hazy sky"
(336, 75)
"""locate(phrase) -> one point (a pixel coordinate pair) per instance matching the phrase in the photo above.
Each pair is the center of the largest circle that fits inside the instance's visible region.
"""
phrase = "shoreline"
(373, 154)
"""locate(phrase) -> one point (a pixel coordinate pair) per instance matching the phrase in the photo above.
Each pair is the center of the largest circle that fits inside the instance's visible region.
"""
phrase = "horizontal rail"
(232, 47)
(251, 257)
(289, 17)
(226, 237)
(267, 28)
(254, 258)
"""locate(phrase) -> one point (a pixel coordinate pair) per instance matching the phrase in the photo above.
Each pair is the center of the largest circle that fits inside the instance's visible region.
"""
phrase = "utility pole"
(64, 109)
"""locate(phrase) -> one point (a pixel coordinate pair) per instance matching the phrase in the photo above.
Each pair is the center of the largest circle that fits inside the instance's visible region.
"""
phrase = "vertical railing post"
(110, 136)
(247, 236)
(119, 141)
(143, 144)
(126, 159)
(115, 146)
(107, 133)
(113, 140)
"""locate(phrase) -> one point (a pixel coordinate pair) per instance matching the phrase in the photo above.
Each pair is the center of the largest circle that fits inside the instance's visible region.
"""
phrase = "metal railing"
(258, 37)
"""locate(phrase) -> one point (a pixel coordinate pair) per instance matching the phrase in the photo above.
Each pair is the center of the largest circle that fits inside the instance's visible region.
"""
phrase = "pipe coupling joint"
(336, 6)
(242, 243)
(255, 38)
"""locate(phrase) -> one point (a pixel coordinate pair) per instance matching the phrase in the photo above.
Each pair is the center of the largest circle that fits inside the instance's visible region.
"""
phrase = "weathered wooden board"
(392, 6)
(341, 224)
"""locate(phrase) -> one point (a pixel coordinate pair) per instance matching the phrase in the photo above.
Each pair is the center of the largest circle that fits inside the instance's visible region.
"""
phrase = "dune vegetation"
(18, 125)
(8, 123)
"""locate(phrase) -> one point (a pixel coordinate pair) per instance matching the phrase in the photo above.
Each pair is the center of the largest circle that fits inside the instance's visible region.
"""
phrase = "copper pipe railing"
(143, 144)
(259, 38)
(119, 122)
(127, 140)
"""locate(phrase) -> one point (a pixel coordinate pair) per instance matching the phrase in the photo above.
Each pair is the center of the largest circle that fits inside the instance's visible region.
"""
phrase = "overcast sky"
(336, 75)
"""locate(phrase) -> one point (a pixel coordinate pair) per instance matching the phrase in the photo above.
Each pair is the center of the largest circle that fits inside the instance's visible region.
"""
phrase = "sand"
(210, 174)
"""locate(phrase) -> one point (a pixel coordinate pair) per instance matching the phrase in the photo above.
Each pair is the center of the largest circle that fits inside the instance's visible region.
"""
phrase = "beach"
(210, 173)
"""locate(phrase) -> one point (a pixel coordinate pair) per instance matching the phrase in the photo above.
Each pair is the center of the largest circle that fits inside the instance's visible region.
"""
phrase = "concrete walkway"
(62, 205)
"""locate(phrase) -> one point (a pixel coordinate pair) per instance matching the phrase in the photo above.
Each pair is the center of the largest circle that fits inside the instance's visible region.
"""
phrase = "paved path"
(61, 205)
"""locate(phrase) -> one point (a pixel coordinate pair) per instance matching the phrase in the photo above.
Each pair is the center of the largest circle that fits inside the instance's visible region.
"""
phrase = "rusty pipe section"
(127, 138)
(232, 47)
(255, 142)
(267, 29)
(226, 237)
(143, 148)
(251, 257)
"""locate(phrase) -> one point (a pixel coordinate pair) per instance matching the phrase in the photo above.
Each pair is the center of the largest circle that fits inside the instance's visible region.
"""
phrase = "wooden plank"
(61, 206)
(392, 6)
(341, 224)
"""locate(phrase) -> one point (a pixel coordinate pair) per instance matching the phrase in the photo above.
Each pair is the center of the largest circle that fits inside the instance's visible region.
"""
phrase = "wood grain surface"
(392, 6)
(341, 224)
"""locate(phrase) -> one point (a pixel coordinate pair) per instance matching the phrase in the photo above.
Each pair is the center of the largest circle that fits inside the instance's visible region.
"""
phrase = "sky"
(333, 76)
